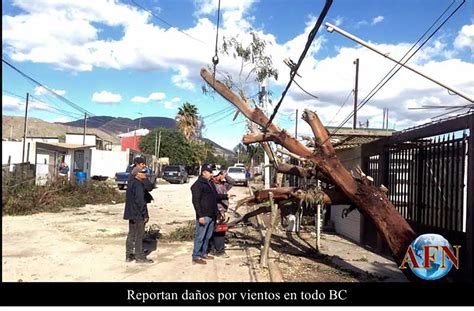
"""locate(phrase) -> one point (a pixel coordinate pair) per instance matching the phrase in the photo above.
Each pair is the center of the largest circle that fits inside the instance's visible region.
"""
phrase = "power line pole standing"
(24, 127)
(85, 126)
(296, 124)
(356, 87)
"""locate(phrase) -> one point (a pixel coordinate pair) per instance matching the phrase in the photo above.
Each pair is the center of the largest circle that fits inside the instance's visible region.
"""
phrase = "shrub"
(26, 198)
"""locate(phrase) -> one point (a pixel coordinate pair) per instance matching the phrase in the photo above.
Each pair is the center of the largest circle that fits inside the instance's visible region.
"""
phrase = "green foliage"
(184, 233)
(177, 148)
(187, 120)
(249, 152)
(255, 65)
(173, 145)
(29, 198)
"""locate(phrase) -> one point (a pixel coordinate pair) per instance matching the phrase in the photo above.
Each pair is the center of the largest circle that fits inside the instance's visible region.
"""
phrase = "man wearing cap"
(136, 212)
(205, 198)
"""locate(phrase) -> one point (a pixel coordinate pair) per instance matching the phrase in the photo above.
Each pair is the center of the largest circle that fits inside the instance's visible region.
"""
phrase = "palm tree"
(187, 120)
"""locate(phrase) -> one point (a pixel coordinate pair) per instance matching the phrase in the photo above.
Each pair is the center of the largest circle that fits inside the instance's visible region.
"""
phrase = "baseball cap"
(207, 167)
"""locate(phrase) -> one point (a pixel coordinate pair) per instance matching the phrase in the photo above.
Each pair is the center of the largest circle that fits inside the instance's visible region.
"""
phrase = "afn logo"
(431, 257)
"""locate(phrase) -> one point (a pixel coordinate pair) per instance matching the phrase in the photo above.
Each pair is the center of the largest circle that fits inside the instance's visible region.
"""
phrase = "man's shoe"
(199, 262)
(144, 260)
(130, 258)
(208, 257)
(222, 255)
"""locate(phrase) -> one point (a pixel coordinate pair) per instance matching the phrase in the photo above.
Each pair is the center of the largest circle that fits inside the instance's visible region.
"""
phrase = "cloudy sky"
(114, 58)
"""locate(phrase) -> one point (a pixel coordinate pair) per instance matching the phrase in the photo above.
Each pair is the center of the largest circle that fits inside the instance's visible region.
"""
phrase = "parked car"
(175, 174)
(122, 178)
(238, 174)
(239, 165)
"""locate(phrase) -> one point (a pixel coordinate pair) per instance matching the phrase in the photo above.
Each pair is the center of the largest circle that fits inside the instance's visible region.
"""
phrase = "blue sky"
(112, 58)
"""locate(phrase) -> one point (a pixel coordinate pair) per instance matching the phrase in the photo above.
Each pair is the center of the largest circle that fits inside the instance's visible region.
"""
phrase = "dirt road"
(88, 244)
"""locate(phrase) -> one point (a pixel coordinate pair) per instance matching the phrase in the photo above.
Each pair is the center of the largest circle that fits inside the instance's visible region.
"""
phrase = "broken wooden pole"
(370, 201)
(268, 233)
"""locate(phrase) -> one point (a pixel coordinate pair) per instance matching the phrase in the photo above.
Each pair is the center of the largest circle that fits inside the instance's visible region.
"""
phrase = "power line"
(340, 108)
(67, 101)
(375, 90)
(314, 96)
(165, 22)
(294, 70)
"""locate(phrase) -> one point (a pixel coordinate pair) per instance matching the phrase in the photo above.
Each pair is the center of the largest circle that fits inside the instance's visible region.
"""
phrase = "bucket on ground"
(80, 177)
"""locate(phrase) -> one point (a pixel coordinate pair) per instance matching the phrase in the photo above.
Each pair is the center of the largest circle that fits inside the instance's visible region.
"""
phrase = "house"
(88, 139)
(48, 156)
(12, 151)
(131, 140)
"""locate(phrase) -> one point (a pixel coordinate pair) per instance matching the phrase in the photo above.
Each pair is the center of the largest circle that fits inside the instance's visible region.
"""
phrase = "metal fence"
(429, 173)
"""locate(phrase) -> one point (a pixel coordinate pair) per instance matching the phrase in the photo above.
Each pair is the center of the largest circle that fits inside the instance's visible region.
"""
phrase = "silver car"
(238, 174)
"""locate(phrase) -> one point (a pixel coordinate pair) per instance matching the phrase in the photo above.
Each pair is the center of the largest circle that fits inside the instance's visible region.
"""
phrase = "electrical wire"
(314, 96)
(165, 22)
(65, 100)
(340, 108)
(294, 70)
(372, 92)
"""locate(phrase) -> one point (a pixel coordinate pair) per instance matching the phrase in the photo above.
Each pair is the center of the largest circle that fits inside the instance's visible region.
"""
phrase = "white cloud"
(377, 19)
(210, 6)
(338, 20)
(465, 38)
(105, 97)
(175, 99)
(39, 91)
(181, 79)
(169, 105)
(140, 99)
(73, 42)
(157, 96)
(15, 104)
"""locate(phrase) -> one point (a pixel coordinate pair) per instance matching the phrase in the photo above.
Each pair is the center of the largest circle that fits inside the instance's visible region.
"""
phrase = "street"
(88, 244)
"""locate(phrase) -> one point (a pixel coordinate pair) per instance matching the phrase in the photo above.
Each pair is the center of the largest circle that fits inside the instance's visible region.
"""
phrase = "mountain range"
(106, 127)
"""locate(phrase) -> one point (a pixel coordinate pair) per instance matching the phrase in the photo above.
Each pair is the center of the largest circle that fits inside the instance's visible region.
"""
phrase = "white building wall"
(77, 139)
(107, 163)
(14, 149)
(348, 227)
(42, 140)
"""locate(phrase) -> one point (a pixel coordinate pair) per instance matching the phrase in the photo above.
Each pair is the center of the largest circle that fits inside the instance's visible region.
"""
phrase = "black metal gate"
(429, 174)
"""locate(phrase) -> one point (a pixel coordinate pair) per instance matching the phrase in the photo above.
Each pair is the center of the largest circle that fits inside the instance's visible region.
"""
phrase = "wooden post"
(85, 126)
(156, 142)
(24, 127)
(268, 233)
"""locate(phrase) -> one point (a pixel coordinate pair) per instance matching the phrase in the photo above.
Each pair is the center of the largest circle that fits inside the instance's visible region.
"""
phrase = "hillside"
(105, 127)
(37, 127)
(218, 149)
(122, 125)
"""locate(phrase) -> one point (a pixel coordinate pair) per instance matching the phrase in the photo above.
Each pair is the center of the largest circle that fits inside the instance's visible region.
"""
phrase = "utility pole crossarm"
(331, 28)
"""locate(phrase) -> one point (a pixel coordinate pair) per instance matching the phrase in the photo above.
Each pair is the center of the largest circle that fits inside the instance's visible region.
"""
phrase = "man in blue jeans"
(205, 198)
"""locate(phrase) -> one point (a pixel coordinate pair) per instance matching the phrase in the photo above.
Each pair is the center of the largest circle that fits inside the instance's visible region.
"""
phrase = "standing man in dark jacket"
(136, 212)
(205, 198)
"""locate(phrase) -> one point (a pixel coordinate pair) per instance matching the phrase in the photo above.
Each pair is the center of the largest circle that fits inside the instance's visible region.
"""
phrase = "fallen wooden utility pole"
(268, 233)
(369, 200)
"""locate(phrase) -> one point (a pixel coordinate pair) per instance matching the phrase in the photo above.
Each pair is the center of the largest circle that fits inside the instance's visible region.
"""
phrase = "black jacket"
(205, 198)
(148, 187)
(135, 204)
